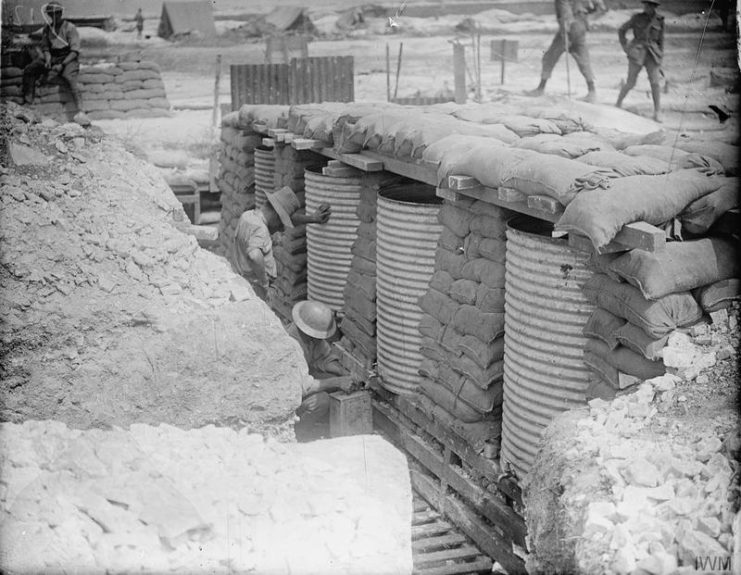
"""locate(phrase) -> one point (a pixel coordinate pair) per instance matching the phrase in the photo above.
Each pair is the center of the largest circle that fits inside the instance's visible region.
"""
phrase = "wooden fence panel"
(302, 81)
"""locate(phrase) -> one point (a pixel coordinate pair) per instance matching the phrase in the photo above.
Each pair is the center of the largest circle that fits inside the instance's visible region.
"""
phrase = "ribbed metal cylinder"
(407, 234)
(329, 245)
(264, 172)
(545, 312)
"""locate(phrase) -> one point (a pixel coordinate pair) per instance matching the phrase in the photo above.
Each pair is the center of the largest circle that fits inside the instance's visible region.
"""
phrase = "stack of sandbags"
(236, 176)
(127, 89)
(643, 296)
(359, 324)
(11, 84)
(462, 325)
(290, 286)
(290, 165)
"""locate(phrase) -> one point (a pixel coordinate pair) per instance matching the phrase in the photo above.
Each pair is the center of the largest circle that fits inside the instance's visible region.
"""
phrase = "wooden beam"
(510, 195)
(432, 543)
(274, 132)
(545, 204)
(362, 162)
(430, 529)
(420, 171)
(482, 565)
(449, 195)
(464, 552)
(462, 182)
(638, 235)
(306, 144)
(288, 137)
(269, 142)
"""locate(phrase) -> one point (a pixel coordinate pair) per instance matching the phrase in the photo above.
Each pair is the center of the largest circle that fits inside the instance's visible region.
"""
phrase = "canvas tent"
(183, 17)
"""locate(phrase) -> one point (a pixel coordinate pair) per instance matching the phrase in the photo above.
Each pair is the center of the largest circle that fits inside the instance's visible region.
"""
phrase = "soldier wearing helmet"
(313, 325)
(60, 49)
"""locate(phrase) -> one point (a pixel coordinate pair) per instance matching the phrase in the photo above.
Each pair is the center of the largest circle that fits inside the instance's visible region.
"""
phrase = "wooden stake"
(398, 68)
(214, 122)
(388, 74)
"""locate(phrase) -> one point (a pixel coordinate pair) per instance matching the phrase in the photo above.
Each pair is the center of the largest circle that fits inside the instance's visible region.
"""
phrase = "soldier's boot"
(80, 117)
(656, 95)
(539, 91)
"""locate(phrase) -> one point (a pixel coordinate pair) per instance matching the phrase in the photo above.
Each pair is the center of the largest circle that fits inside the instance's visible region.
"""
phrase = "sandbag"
(718, 295)
(633, 337)
(483, 354)
(489, 299)
(600, 263)
(602, 325)
(464, 291)
(438, 305)
(484, 271)
(482, 399)
(451, 403)
(450, 340)
(468, 320)
(450, 262)
(561, 146)
(603, 370)
(680, 267)
(366, 343)
(441, 281)
(488, 161)
(657, 318)
(626, 360)
(700, 215)
(601, 213)
(455, 219)
(554, 176)
(449, 241)
(726, 154)
(489, 226)
(430, 326)
(482, 377)
(625, 165)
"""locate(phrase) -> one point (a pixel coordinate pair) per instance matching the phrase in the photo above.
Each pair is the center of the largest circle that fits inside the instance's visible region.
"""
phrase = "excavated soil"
(112, 315)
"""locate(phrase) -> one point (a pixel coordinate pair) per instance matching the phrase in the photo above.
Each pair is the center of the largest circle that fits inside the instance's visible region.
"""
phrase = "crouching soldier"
(60, 54)
(252, 249)
(313, 325)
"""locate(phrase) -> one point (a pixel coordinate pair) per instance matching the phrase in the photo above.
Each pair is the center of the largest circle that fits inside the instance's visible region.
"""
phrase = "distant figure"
(646, 49)
(572, 38)
(60, 55)
(139, 23)
(252, 251)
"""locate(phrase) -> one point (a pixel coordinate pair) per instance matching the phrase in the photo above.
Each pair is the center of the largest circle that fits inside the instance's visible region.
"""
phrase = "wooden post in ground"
(214, 121)
(459, 72)
(398, 68)
(388, 74)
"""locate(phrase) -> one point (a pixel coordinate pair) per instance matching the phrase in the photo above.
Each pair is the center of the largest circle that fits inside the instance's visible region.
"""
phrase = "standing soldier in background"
(572, 38)
(60, 54)
(139, 23)
(645, 49)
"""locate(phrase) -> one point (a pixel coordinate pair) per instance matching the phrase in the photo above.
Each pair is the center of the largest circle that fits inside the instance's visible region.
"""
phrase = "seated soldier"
(60, 54)
(252, 250)
(313, 325)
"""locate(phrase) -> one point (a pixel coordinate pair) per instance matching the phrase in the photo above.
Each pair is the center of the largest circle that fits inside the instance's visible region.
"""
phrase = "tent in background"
(183, 17)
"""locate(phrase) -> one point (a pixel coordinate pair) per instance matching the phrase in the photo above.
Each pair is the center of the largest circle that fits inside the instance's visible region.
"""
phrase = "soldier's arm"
(623, 30)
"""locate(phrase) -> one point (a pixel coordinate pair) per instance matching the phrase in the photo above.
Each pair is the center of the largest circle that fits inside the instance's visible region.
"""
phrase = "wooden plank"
(269, 142)
(415, 170)
(465, 552)
(439, 542)
(493, 509)
(465, 519)
(419, 505)
(306, 144)
(449, 195)
(362, 162)
(638, 235)
(511, 195)
(273, 132)
(491, 196)
(462, 182)
(545, 203)
(430, 529)
(288, 137)
(346, 172)
(425, 517)
(482, 565)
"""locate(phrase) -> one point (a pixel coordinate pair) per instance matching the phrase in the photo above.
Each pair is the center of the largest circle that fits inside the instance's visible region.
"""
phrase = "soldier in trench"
(60, 55)
(313, 326)
(252, 249)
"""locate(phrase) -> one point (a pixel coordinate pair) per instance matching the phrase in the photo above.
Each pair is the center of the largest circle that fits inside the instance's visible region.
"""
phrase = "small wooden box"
(350, 413)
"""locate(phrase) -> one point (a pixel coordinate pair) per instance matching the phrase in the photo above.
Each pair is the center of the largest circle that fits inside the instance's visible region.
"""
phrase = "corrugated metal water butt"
(264, 173)
(407, 234)
(545, 312)
(329, 245)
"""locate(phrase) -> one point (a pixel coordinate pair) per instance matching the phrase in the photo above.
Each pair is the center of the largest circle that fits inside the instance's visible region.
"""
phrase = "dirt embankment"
(111, 315)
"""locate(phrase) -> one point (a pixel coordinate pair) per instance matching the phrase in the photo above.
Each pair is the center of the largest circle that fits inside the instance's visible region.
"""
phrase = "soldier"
(139, 23)
(646, 49)
(252, 251)
(572, 38)
(60, 49)
(313, 325)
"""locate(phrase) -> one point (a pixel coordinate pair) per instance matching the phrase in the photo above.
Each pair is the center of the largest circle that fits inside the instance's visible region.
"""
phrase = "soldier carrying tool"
(571, 38)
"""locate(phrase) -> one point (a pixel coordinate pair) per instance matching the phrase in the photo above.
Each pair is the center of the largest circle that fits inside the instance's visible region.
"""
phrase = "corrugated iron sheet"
(407, 233)
(264, 174)
(329, 245)
(545, 312)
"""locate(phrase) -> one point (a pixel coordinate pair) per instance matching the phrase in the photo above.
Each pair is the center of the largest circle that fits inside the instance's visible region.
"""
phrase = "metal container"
(264, 172)
(329, 245)
(545, 312)
(407, 232)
